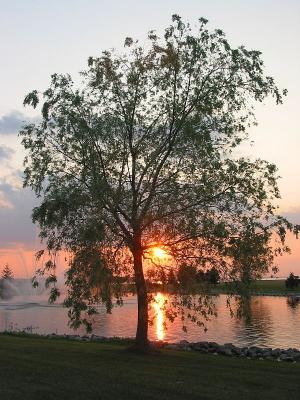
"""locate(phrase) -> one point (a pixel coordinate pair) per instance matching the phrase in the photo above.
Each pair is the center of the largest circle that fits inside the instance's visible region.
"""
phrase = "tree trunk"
(141, 339)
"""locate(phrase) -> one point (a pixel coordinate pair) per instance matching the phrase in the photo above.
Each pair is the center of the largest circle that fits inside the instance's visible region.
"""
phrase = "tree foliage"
(142, 154)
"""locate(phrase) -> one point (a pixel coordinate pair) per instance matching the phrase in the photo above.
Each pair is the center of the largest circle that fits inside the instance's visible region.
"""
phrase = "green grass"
(263, 287)
(38, 368)
(277, 286)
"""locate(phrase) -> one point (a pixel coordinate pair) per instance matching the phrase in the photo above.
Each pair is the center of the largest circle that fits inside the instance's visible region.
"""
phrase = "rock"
(229, 345)
(97, 338)
(172, 346)
(184, 343)
(204, 344)
(159, 344)
(285, 357)
(226, 351)
(197, 346)
(252, 353)
(266, 352)
(204, 350)
(276, 352)
(52, 336)
(237, 351)
(296, 356)
(201, 346)
(213, 345)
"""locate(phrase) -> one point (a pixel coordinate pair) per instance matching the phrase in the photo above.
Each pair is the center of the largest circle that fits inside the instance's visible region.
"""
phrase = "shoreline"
(273, 294)
(291, 355)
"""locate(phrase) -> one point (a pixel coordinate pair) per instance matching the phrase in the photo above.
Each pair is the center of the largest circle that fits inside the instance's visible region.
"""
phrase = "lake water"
(272, 322)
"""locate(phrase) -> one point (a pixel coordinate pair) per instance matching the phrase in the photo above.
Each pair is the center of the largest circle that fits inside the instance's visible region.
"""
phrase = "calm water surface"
(271, 322)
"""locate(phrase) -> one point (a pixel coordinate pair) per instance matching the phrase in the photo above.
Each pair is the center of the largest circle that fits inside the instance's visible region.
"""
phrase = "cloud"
(11, 123)
(4, 202)
(293, 215)
(15, 215)
(5, 152)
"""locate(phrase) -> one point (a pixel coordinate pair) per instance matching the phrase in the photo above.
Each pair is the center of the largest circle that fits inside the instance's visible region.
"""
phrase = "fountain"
(8, 289)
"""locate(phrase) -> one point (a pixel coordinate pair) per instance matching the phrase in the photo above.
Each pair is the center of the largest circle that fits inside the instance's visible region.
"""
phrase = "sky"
(40, 38)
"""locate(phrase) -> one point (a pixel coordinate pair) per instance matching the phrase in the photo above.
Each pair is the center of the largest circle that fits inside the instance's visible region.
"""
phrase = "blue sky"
(41, 37)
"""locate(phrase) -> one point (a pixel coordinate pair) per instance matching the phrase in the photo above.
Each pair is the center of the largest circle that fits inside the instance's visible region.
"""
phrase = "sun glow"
(158, 306)
(158, 252)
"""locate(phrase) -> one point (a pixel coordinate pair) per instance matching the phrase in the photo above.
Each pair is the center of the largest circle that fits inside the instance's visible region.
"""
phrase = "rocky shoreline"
(228, 349)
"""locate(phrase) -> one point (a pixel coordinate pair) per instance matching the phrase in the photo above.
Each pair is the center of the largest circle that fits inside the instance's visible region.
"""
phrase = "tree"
(187, 275)
(141, 155)
(7, 273)
(213, 276)
(171, 278)
(201, 276)
(292, 281)
(6, 277)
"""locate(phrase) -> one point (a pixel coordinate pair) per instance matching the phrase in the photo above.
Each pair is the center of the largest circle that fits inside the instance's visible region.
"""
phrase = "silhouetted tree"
(292, 281)
(200, 276)
(7, 273)
(6, 276)
(187, 275)
(213, 276)
(171, 280)
(140, 156)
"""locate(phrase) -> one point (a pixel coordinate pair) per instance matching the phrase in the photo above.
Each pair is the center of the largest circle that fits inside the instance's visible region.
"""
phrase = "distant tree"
(142, 155)
(252, 253)
(213, 276)
(7, 273)
(6, 276)
(200, 276)
(292, 281)
(171, 279)
(187, 275)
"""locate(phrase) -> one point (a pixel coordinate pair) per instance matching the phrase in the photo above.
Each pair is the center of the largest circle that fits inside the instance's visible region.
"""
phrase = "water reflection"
(269, 321)
(158, 306)
(254, 323)
(293, 301)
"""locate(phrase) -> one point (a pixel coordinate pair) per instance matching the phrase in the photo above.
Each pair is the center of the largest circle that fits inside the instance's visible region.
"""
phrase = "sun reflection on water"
(158, 307)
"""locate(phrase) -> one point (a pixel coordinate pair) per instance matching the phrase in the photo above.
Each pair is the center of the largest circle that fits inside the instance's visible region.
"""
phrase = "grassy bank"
(271, 287)
(39, 368)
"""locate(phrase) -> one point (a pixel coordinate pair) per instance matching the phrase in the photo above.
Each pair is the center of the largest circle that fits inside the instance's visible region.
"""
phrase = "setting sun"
(159, 252)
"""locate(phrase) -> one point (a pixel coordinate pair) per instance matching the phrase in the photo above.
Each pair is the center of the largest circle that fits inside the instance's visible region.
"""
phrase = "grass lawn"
(41, 369)
(277, 286)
